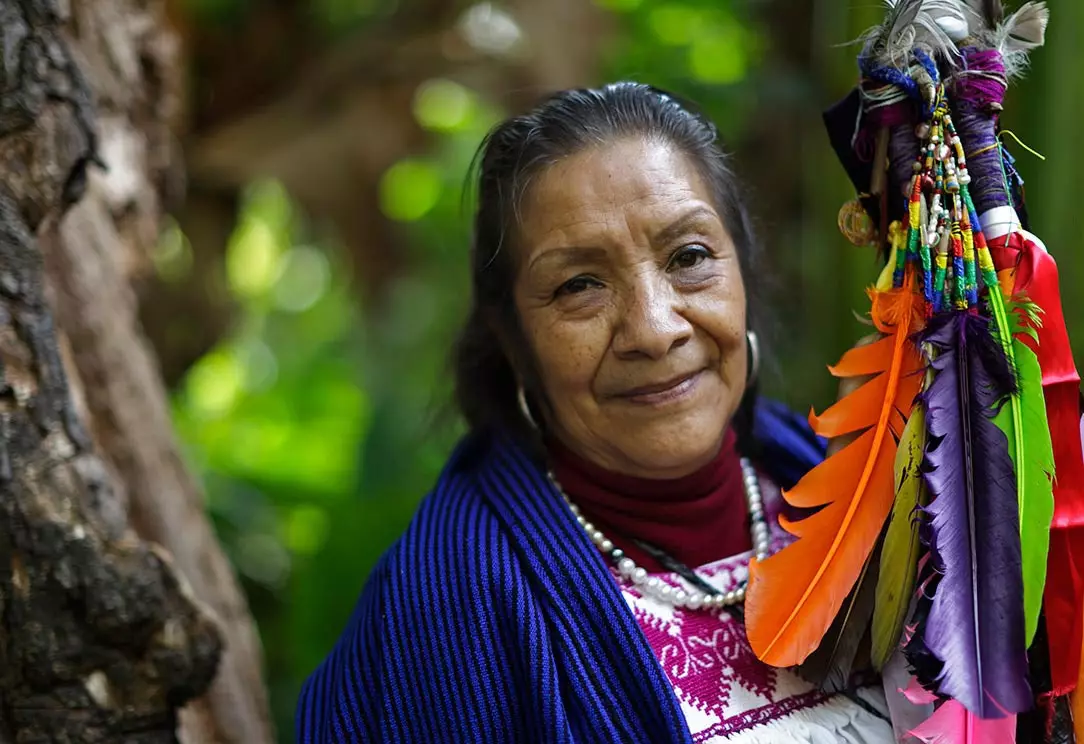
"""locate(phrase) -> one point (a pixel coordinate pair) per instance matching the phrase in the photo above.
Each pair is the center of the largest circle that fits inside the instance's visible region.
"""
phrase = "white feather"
(949, 16)
(1025, 29)
(929, 25)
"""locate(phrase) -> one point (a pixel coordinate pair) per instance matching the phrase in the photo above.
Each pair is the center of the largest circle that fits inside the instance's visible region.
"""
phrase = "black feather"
(845, 647)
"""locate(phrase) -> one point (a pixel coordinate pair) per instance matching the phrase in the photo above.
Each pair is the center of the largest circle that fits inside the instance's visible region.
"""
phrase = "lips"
(656, 389)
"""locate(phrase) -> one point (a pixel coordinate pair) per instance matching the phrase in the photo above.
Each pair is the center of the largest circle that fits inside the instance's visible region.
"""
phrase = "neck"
(696, 519)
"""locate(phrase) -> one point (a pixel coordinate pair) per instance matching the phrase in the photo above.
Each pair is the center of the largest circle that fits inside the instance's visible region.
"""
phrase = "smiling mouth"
(662, 392)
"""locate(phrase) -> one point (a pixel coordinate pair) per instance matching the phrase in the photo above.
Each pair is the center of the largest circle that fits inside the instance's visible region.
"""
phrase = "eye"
(688, 257)
(576, 285)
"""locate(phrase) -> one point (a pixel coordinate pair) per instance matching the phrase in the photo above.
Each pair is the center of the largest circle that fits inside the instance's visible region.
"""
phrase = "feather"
(908, 25)
(899, 563)
(995, 11)
(830, 666)
(917, 694)
(975, 625)
(901, 16)
(952, 723)
(794, 596)
(906, 709)
(926, 667)
(1024, 30)
(948, 16)
(1023, 421)
(1050, 722)
(1021, 32)
(983, 16)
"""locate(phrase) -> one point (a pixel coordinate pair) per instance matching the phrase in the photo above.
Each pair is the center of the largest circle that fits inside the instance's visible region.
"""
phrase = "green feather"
(1023, 419)
(899, 556)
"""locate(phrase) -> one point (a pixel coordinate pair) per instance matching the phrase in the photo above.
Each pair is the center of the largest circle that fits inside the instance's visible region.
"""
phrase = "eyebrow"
(568, 255)
(682, 224)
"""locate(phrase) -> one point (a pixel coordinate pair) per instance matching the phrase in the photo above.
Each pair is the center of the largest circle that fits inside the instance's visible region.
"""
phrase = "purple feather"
(975, 626)
(924, 665)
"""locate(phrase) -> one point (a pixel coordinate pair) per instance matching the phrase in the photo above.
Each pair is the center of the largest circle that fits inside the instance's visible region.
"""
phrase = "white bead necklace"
(652, 586)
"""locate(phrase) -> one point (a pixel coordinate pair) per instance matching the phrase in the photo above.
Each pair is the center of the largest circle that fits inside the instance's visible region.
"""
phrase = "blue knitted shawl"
(495, 619)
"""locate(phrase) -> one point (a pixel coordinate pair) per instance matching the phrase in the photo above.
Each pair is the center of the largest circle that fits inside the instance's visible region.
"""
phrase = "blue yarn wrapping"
(927, 273)
(925, 61)
(1010, 165)
(958, 277)
(889, 76)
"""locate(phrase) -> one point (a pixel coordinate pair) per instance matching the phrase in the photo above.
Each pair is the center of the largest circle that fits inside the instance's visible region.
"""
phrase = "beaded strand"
(652, 586)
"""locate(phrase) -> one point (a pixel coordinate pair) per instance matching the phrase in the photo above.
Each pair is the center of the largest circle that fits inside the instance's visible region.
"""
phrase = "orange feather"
(794, 595)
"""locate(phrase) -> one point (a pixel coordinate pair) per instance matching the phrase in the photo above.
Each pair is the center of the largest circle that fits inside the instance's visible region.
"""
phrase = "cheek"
(567, 355)
(722, 318)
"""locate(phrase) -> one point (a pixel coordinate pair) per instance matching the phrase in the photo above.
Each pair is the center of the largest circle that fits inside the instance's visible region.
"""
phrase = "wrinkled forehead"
(600, 193)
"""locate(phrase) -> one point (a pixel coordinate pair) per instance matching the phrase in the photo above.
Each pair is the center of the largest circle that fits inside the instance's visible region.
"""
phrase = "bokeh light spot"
(303, 280)
(718, 56)
(306, 529)
(443, 105)
(252, 258)
(409, 190)
(263, 558)
(214, 383)
(490, 29)
(674, 24)
(260, 367)
(172, 254)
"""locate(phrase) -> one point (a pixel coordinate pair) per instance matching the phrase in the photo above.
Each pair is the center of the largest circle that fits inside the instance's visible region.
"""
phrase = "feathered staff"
(962, 476)
(995, 53)
(794, 597)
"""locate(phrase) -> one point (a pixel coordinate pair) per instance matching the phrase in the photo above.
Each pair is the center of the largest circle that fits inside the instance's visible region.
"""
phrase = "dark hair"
(491, 348)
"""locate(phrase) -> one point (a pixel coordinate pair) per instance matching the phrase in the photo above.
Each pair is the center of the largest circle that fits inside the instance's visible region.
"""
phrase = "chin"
(674, 451)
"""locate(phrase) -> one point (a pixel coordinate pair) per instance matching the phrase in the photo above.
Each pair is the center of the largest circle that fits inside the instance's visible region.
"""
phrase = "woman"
(543, 593)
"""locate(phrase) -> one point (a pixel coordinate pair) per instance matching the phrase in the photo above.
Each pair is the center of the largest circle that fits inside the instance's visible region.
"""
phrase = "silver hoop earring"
(521, 396)
(753, 345)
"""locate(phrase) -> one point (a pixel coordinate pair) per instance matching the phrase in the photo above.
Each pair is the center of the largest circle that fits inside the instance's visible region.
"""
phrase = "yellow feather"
(899, 557)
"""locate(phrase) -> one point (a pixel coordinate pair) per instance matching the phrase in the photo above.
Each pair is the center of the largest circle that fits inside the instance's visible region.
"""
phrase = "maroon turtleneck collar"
(699, 518)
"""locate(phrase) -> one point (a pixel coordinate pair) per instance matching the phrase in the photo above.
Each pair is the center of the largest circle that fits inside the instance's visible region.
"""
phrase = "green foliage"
(321, 421)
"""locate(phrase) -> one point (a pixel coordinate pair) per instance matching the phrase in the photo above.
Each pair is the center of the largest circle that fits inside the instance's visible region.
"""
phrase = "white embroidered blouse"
(727, 694)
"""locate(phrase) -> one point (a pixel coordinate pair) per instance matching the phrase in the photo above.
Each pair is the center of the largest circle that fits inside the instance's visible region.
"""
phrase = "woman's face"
(631, 300)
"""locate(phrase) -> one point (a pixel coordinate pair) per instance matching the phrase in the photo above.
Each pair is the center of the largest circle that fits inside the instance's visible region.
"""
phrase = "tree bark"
(102, 636)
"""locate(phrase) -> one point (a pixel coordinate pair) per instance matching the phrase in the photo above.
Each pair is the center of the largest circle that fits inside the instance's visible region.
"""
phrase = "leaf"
(899, 561)
(1024, 423)
(795, 595)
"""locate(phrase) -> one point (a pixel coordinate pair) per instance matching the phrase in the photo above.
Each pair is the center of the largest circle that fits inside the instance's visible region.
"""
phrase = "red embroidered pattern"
(722, 687)
(720, 683)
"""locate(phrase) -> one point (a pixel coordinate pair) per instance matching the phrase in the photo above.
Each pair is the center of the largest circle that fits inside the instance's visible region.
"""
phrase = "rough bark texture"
(101, 639)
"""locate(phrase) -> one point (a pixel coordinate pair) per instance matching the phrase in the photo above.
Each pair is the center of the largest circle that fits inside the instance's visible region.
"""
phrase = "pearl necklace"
(652, 586)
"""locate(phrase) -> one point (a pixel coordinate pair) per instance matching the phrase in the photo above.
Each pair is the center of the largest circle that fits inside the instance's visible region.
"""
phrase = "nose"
(651, 323)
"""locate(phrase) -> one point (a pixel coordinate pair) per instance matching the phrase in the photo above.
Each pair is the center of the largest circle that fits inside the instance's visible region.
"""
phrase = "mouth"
(662, 392)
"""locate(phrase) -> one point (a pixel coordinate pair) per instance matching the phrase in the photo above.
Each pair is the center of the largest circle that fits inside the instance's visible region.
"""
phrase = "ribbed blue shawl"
(494, 618)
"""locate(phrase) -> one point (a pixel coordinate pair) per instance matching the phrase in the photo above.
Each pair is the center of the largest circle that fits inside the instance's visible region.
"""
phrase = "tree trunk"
(102, 636)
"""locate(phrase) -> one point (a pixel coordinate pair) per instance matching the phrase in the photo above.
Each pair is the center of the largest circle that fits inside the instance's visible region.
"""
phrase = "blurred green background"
(310, 286)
